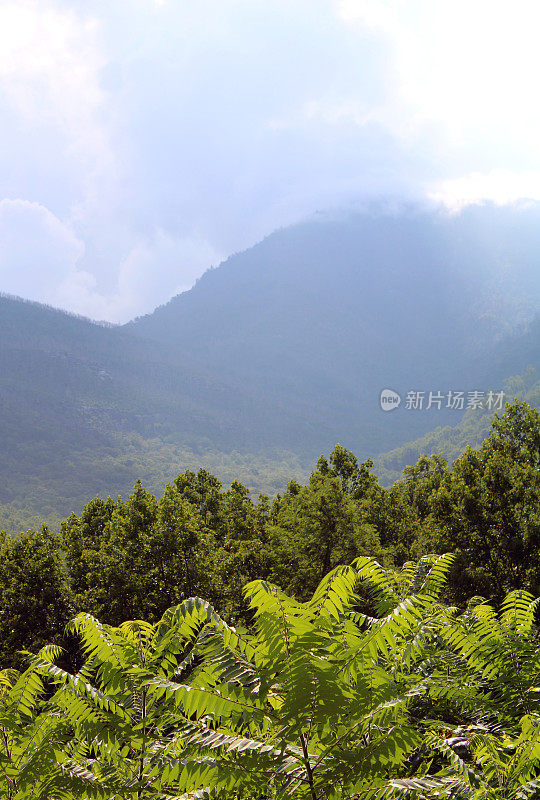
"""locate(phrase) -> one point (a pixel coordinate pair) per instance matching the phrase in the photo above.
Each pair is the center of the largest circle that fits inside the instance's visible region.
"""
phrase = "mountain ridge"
(274, 356)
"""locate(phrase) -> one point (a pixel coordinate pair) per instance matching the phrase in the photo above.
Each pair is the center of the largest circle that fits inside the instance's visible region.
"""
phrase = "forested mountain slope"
(86, 408)
(451, 440)
(321, 316)
(271, 358)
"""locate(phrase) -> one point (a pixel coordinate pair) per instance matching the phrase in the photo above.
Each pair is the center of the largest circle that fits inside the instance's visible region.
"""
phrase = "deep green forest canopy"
(134, 558)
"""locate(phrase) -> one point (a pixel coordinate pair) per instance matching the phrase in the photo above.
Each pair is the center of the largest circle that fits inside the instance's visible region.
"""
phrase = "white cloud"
(56, 115)
(162, 136)
(40, 259)
(499, 186)
(376, 14)
(468, 67)
(327, 112)
(157, 269)
(37, 251)
(154, 270)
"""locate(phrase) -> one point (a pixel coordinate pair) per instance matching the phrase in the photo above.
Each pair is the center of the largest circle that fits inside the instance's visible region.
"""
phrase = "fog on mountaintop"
(145, 142)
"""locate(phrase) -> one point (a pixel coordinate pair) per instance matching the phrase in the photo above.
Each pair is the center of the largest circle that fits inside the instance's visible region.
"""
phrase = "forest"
(342, 640)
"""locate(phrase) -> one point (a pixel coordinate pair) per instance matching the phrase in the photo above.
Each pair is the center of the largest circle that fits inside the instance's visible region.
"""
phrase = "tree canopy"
(133, 558)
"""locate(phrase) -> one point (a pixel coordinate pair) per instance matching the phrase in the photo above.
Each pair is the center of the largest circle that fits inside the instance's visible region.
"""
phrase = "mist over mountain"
(321, 316)
(273, 357)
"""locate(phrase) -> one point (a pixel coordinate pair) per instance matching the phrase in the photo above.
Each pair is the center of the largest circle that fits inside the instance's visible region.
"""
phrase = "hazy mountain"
(320, 317)
(86, 408)
(272, 357)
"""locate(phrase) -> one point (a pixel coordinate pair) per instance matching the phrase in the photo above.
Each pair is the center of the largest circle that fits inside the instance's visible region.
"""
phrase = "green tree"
(240, 554)
(178, 555)
(82, 538)
(314, 528)
(34, 603)
(137, 558)
(116, 569)
(203, 491)
(487, 508)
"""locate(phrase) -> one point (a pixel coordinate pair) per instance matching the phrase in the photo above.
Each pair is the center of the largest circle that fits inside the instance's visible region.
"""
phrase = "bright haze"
(145, 141)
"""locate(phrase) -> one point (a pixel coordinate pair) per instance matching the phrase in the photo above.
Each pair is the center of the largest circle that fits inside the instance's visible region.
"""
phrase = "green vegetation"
(134, 558)
(450, 442)
(315, 700)
(87, 409)
(60, 489)
(404, 675)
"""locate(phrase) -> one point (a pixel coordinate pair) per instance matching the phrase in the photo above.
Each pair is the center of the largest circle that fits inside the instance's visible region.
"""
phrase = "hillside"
(88, 409)
(318, 318)
(270, 359)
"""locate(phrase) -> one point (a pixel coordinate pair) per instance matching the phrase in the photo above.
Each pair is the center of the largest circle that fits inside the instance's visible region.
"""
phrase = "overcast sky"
(144, 141)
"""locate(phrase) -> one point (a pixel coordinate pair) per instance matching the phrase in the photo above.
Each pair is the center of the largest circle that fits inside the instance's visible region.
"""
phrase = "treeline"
(54, 485)
(134, 558)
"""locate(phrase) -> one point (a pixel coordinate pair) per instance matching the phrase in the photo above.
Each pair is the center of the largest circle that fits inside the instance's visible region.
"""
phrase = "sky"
(144, 141)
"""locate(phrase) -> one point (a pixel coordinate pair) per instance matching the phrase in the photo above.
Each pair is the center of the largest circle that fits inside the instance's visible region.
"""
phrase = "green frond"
(380, 583)
(8, 678)
(431, 575)
(426, 788)
(518, 611)
(25, 693)
(319, 701)
(335, 593)
(460, 767)
(528, 790)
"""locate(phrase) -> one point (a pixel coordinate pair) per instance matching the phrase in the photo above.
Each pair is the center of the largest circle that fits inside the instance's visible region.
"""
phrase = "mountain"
(87, 408)
(320, 317)
(271, 358)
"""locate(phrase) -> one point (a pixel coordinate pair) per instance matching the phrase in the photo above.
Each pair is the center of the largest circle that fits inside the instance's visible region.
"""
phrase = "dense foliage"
(403, 675)
(316, 700)
(134, 558)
